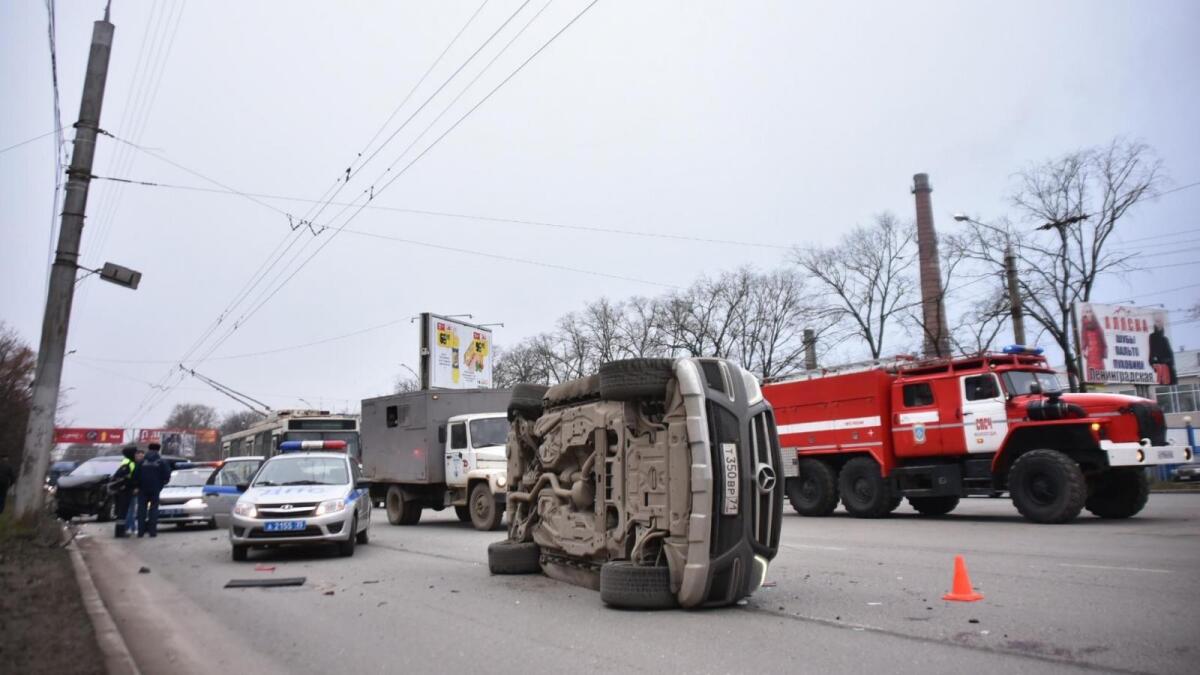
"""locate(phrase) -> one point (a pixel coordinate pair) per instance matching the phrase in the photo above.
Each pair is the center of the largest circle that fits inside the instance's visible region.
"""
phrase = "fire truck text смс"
(935, 431)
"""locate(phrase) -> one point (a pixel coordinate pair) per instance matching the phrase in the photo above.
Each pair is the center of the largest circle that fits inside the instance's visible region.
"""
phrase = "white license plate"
(284, 525)
(729, 476)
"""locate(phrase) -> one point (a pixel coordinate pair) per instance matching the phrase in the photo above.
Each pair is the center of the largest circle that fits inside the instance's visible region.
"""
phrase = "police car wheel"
(346, 548)
(239, 552)
(363, 537)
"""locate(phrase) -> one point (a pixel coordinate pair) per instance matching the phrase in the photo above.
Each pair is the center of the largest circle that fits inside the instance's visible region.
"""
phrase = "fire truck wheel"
(526, 401)
(814, 492)
(1047, 486)
(633, 379)
(1118, 493)
(865, 493)
(933, 506)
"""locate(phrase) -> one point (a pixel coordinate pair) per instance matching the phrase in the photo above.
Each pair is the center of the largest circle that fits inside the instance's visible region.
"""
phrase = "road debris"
(264, 583)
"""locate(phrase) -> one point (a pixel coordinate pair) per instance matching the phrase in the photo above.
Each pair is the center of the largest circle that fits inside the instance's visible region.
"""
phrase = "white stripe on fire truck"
(918, 417)
(830, 425)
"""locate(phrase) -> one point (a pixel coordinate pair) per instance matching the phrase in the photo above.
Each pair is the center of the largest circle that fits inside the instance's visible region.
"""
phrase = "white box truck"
(438, 448)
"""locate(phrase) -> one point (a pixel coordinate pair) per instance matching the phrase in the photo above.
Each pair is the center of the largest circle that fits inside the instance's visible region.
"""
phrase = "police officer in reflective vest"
(122, 485)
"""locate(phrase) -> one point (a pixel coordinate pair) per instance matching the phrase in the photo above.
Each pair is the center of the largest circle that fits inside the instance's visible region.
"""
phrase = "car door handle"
(967, 414)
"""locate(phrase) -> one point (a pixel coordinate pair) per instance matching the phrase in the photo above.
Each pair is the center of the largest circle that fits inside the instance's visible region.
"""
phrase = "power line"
(462, 216)
(1178, 189)
(30, 140)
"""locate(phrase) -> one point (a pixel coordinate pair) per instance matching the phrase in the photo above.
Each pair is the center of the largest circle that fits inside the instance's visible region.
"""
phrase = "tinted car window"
(96, 467)
(458, 436)
(981, 387)
(236, 473)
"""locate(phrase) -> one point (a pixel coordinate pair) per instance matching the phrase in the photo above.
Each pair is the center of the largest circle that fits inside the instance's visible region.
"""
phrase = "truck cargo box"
(399, 432)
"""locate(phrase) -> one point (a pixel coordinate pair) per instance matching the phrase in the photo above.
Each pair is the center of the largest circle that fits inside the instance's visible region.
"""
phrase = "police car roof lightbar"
(293, 446)
(1023, 349)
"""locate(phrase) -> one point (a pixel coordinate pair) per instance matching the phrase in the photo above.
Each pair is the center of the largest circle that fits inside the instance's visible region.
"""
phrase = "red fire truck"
(935, 431)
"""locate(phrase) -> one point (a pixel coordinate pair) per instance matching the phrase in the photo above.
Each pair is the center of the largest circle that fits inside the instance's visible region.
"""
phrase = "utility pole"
(1014, 297)
(39, 433)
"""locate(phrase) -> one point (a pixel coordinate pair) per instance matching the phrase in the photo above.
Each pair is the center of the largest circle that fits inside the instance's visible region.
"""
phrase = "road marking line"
(1126, 569)
(802, 547)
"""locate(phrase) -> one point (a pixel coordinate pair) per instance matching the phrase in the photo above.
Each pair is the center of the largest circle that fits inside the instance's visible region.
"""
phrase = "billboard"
(1122, 344)
(459, 355)
(156, 435)
(88, 436)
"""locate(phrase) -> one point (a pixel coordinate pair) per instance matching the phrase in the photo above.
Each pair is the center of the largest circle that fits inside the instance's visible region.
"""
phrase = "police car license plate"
(169, 513)
(284, 525)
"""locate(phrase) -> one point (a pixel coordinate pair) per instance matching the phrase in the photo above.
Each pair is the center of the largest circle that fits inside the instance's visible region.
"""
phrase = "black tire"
(364, 537)
(65, 515)
(580, 389)
(485, 512)
(401, 511)
(1047, 486)
(463, 513)
(895, 503)
(239, 552)
(107, 512)
(865, 493)
(934, 506)
(1119, 493)
(629, 586)
(814, 492)
(634, 379)
(526, 401)
(506, 557)
(346, 548)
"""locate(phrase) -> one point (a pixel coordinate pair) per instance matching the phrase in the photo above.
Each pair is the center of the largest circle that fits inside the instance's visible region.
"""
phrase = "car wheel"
(1119, 493)
(485, 514)
(107, 512)
(626, 585)
(346, 548)
(239, 552)
(363, 537)
(865, 493)
(934, 506)
(634, 379)
(506, 557)
(1047, 486)
(526, 401)
(814, 491)
(463, 513)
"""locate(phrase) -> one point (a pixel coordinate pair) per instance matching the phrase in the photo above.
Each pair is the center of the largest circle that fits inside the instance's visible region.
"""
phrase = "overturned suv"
(653, 481)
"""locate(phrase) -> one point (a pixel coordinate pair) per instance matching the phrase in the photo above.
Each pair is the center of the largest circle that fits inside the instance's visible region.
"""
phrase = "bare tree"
(869, 276)
(405, 382)
(17, 364)
(523, 362)
(238, 420)
(192, 416)
(1080, 198)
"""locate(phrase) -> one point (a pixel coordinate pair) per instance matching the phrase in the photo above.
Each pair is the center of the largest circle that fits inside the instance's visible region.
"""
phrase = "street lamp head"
(961, 217)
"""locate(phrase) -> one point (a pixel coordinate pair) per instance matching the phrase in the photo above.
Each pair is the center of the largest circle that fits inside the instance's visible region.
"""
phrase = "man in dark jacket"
(153, 474)
(122, 485)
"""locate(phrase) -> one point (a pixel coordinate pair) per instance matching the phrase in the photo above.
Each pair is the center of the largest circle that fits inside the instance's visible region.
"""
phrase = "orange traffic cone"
(962, 590)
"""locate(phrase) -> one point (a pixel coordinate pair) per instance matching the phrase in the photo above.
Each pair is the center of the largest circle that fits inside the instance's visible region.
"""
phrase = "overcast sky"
(778, 123)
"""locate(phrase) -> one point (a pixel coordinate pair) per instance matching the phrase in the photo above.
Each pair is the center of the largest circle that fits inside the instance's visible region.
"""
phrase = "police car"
(308, 494)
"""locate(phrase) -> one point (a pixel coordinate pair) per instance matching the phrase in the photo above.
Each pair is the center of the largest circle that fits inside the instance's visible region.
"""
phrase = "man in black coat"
(152, 475)
(122, 486)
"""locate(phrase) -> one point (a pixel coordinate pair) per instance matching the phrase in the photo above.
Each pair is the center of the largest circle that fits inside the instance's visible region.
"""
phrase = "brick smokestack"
(933, 310)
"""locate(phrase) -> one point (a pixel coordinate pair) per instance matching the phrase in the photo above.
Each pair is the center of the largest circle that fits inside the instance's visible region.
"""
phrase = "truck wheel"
(814, 492)
(865, 493)
(399, 510)
(629, 586)
(506, 557)
(239, 552)
(1047, 486)
(1119, 493)
(526, 401)
(485, 515)
(933, 506)
(633, 379)
(463, 513)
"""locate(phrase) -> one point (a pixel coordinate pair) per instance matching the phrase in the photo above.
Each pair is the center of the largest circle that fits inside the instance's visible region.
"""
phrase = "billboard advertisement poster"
(460, 354)
(205, 436)
(178, 443)
(1122, 344)
(88, 436)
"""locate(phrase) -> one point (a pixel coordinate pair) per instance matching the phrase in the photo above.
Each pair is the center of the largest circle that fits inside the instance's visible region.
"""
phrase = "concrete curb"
(117, 659)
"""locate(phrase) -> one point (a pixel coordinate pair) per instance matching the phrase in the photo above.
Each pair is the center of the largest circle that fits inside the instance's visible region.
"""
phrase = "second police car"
(309, 494)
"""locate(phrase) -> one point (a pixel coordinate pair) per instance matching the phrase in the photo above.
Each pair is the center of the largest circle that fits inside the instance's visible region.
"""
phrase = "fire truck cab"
(935, 431)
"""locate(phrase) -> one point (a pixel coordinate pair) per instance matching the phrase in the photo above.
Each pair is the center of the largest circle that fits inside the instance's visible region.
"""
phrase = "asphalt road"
(844, 595)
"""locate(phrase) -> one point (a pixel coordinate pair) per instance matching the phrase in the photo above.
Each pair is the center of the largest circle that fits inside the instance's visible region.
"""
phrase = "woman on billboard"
(1162, 359)
(1094, 348)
